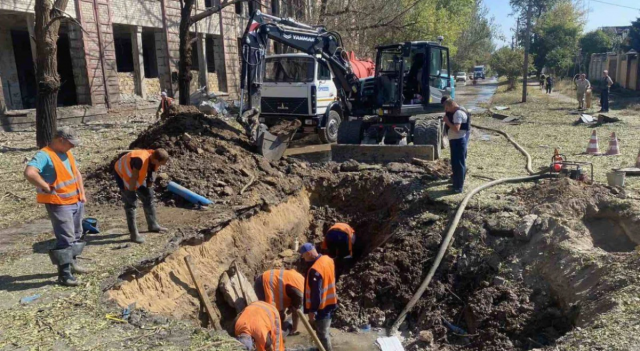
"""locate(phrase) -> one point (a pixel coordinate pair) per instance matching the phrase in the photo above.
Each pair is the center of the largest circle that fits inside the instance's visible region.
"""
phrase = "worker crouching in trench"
(338, 244)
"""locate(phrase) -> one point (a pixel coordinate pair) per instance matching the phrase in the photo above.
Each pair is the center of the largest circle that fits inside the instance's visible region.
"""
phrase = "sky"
(599, 14)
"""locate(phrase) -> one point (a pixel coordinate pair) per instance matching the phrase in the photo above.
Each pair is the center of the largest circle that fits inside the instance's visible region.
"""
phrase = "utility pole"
(527, 45)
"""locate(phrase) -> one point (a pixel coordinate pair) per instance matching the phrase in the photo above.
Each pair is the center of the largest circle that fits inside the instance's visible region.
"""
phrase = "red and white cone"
(613, 146)
(593, 148)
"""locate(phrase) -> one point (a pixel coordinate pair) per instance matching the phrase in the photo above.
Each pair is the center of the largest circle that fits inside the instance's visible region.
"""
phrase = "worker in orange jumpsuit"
(282, 289)
(338, 244)
(135, 173)
(320, 297)
(258, 328)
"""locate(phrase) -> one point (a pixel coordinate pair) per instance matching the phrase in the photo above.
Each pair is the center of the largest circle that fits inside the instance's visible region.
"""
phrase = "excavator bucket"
(273, 146)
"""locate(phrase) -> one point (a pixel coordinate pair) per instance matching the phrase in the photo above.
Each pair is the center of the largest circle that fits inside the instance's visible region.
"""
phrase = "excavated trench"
(398, 232)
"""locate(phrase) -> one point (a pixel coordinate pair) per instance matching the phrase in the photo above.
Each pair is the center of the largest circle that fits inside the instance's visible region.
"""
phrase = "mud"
(496, 289)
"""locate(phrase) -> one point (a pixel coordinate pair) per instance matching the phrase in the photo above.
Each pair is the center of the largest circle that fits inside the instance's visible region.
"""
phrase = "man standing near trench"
(282, 289)
(458, 124)
(59, 186)
(604, 95)
(582, 85)
(135, 173)
(320, 297)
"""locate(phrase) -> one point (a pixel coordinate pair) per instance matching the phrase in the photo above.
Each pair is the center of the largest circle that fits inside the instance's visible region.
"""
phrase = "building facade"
(119, 50)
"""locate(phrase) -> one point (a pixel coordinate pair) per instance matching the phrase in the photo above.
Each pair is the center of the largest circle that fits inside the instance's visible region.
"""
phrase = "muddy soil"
(485, 295)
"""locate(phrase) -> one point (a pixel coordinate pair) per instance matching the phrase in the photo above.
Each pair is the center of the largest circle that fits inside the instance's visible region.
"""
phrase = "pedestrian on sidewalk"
(604, 96)
(542, 79)
(582, 85)
(458, 124)
(134, 174)
(59, 187)
(549, 84)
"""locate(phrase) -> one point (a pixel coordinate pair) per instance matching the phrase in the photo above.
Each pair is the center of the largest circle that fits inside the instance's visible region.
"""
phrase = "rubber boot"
(133, 228)
(152, 219)
(63, 258)
(77, 248)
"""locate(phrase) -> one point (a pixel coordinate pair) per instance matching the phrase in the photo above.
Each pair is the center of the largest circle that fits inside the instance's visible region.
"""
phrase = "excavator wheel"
(428, 132)
(350, 132)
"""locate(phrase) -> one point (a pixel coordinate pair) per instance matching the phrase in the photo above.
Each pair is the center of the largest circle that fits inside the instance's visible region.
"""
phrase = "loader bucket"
(271, 146)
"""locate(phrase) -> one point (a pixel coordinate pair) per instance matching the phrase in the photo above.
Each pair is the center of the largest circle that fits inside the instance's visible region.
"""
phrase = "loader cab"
(411, 78)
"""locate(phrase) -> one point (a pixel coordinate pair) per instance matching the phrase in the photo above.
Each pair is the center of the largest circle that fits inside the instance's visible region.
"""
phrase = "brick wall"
(29, 5)
(126, 83)
(152, 87)
(146, 13)
(86, 14)
(229, 24)
(83, 91)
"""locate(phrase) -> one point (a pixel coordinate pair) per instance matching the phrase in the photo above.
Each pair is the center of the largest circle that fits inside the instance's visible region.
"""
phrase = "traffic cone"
(613, 146)
(593, 148)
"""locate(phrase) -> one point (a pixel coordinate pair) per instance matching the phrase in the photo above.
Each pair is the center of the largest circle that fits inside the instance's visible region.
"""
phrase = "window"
(275, 6)
(124, 51)
(289, 69)
(211, 61)
(252, 7)
(149, 55)
(239, 8)
(435, 64)
(323, 71)
(195, 60)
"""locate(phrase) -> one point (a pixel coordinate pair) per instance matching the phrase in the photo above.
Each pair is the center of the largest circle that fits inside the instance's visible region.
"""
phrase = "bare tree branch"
(215, 9)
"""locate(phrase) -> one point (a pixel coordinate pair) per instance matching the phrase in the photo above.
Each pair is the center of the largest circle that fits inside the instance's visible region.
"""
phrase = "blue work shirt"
(44, 164)
(315, 286)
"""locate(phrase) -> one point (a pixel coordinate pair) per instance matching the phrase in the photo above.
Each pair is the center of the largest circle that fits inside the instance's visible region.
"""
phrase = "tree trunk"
(184, 66)
(46, 33)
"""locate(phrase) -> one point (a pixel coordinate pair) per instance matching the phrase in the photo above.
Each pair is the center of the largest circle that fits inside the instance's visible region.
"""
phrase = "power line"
(612, 4)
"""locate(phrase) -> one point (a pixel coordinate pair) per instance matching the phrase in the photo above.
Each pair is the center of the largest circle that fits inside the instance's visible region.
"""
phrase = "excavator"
(392, 115)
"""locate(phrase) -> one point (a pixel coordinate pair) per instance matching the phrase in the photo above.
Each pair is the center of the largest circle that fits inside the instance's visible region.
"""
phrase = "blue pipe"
(188, 194)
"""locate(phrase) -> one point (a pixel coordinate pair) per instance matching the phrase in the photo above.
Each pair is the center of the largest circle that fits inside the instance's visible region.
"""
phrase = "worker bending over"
(258, 328)
(135, 173)
(338, 244)
(320, 297)
(282, 289)
(59, 186)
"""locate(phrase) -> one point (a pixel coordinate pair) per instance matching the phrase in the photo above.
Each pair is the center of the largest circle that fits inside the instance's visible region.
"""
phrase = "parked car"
(461, 77)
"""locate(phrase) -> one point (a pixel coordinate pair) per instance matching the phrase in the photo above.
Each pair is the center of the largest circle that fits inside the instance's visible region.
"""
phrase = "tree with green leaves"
(475, 44)
(634, 35)
(594, 42)
(508, 63)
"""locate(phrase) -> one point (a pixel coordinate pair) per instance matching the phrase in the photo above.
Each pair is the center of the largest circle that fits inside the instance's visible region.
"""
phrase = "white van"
(301, 86)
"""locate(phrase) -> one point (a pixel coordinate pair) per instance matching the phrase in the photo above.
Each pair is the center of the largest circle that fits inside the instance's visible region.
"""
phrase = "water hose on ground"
(456, 220)
(520, 148)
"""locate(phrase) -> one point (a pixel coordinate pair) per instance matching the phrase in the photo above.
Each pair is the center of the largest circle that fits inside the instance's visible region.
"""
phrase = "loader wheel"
(329, 134)
(428, 132)
(350, 132)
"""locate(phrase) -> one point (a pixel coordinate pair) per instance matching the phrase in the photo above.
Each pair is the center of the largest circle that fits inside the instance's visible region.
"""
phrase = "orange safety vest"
(323, 265)
(66, 190)
(123, 167)
(259, 320)
(345, 228)
(274, 283)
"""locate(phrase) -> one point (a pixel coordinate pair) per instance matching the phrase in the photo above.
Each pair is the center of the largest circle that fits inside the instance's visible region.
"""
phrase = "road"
(310, 149)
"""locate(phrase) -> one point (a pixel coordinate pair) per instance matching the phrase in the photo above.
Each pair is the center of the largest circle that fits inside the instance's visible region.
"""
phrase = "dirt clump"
(210, 157)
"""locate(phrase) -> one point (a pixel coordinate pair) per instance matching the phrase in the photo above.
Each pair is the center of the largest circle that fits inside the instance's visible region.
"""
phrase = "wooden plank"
(203, 295)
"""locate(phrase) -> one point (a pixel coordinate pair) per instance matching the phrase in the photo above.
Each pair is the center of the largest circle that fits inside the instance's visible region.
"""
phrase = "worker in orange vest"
(134, 174)
(283, 289)
(320, 297)
(338, 244)
(60, 188)
(165, 104)
(258, 328)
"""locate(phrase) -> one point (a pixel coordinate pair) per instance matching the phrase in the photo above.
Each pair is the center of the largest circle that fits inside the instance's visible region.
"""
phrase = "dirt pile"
(210, 157)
